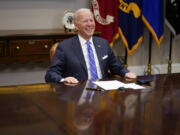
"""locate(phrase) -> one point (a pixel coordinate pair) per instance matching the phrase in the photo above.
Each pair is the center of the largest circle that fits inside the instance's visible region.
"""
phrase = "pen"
(95, 89)
(121, 88)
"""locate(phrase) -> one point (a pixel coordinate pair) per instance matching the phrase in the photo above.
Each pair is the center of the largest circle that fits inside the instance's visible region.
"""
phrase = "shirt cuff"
(62, 80)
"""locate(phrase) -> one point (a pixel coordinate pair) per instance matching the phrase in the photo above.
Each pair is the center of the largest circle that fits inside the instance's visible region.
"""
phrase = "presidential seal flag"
(130, 23)
(152, 16)
(106, 15)
(173, 16)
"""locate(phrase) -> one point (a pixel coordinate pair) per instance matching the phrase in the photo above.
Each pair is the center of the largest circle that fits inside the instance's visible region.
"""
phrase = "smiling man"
(84, 57)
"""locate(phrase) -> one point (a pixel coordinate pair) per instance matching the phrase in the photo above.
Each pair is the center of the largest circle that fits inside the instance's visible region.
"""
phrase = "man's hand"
(130, 76)
(70, 80)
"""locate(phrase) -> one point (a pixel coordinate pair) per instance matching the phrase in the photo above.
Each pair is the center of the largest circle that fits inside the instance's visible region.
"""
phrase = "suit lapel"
(98, 48)
(99, 52)
(78, 52)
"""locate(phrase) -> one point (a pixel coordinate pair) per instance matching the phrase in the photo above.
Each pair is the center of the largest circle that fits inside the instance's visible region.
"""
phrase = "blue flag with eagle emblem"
(130, 24)
(152, 16)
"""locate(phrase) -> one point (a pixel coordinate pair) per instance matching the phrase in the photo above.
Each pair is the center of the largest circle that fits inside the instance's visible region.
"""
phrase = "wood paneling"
(29, 45)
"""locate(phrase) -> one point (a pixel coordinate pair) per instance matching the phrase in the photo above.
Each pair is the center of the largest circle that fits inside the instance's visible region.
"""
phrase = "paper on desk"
(133, 86)
(114, 85)
(109, 85)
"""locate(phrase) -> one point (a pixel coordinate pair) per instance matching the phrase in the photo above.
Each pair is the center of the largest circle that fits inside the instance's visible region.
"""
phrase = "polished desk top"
(57, 109)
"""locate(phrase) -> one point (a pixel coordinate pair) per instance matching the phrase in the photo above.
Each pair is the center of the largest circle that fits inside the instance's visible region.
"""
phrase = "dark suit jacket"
(69, 60)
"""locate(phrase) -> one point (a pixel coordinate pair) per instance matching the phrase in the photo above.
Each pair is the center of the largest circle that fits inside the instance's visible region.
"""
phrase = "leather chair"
(53, 50)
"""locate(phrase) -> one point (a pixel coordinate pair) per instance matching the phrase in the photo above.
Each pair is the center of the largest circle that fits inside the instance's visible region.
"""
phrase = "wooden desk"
(45, 109)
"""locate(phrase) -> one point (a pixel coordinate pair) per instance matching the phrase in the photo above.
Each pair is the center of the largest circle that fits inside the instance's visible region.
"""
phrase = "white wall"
(47, 14)
(36, 14)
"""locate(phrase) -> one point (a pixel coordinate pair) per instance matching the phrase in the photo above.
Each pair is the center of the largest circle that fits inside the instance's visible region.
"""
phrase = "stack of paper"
(115, 85)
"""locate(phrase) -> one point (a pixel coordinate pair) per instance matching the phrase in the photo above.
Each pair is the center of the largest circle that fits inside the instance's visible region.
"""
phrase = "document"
(133, 86)
(115, 85)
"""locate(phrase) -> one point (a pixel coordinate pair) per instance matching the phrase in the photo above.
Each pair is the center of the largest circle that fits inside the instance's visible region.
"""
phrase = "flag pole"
(149, 58)
(170, 54)
(125, 58)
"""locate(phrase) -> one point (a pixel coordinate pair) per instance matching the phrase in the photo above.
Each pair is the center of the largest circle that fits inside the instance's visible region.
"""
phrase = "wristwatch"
(68, 21)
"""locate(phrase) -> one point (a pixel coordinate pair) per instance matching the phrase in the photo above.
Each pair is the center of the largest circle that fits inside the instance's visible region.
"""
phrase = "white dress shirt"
(85, 53)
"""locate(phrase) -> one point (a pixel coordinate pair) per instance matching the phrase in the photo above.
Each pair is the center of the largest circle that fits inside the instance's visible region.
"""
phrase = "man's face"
(85, 24)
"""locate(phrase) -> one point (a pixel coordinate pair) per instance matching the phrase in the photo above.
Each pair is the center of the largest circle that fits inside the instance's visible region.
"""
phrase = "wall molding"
(34, 76)
(156, 69)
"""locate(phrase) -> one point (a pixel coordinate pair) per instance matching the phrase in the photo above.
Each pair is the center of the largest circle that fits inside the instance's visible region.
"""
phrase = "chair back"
(53, 50)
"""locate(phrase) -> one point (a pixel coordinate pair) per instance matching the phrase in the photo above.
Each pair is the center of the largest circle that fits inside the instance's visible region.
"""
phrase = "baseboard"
(31, 77)
(156, 69)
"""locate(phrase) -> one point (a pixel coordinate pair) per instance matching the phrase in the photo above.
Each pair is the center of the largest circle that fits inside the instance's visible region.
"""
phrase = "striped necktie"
(88, 95)
(92, 64)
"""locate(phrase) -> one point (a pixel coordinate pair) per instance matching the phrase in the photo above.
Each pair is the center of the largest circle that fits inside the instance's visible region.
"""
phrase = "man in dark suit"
(71, 62)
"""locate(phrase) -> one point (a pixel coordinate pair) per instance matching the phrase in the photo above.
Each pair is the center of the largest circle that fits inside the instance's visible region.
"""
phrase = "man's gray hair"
(76, 13)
